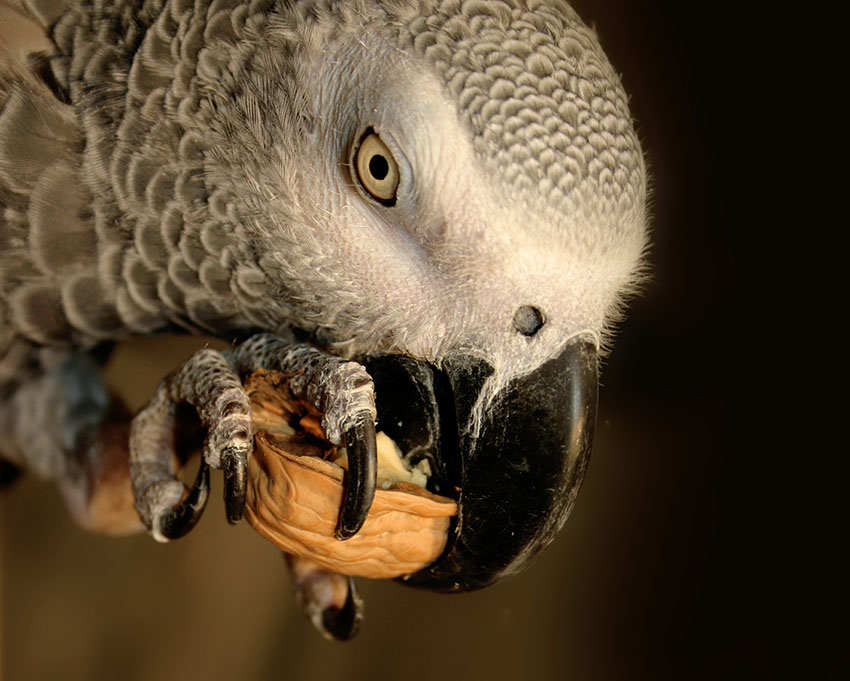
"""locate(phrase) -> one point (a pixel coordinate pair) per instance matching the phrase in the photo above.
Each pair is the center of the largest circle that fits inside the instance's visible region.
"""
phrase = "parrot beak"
(517, 476)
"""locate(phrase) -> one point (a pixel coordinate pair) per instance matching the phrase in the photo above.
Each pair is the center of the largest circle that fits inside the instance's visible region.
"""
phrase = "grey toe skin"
(208, 385)
(361, 480)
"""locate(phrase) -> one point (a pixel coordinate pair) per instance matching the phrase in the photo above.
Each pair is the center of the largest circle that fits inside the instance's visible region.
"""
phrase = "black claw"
(344, 623)
(9, 472)
(235, 467)
(361, 479)
(177, 521)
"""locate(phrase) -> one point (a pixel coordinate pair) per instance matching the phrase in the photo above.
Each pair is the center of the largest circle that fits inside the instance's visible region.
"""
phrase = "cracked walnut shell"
(294, 495)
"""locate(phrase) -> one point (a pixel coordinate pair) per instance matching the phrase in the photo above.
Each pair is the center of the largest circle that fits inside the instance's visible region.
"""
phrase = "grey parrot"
(429, 211)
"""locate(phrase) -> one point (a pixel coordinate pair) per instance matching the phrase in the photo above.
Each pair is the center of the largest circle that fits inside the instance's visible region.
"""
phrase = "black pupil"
(379, 167)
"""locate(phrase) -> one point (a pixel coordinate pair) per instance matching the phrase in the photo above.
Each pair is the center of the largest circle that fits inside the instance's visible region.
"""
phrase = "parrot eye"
(376, 168)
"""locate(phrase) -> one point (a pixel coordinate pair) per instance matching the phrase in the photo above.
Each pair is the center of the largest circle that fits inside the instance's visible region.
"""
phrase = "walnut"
(295, 492)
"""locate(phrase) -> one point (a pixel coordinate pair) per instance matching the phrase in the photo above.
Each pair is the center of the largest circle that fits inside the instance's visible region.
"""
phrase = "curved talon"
(344, 623)
(235, 466)
(361, 479)
(177, 521)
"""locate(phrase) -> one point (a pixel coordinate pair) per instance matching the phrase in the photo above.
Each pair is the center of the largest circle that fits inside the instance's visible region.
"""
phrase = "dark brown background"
(686, 556)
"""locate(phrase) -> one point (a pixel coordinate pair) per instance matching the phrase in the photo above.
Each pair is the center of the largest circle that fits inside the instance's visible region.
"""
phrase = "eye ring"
(376, 168)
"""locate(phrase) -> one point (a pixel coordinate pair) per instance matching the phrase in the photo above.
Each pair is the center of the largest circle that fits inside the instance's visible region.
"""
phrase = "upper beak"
(519, 473)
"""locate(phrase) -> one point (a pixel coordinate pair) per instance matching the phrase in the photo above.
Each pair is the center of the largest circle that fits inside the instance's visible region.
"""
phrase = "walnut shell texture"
(294, 496)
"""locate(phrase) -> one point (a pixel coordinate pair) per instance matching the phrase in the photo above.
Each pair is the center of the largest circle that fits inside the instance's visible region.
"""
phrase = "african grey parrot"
(431, 209)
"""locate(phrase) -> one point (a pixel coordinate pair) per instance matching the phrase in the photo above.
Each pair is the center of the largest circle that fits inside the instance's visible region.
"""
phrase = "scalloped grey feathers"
(171, 170)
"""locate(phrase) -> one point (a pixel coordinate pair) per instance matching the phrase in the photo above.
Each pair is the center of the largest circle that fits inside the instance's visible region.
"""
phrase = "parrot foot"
(343, 392)
(207, 382)
(329, 600)
(210, 382)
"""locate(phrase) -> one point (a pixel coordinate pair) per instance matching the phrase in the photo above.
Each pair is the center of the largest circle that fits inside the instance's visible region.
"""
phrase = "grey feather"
(188, 165)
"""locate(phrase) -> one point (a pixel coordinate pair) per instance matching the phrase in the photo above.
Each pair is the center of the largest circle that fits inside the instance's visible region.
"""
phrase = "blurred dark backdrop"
(684, 557)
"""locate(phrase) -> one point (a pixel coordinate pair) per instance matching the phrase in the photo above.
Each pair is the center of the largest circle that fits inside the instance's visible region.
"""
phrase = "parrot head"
(452, 193)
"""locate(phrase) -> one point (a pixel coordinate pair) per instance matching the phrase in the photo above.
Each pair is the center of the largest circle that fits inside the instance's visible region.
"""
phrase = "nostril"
(528, 320)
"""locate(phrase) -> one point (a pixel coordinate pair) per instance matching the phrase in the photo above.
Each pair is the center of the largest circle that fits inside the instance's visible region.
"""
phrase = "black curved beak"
(518, 474)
